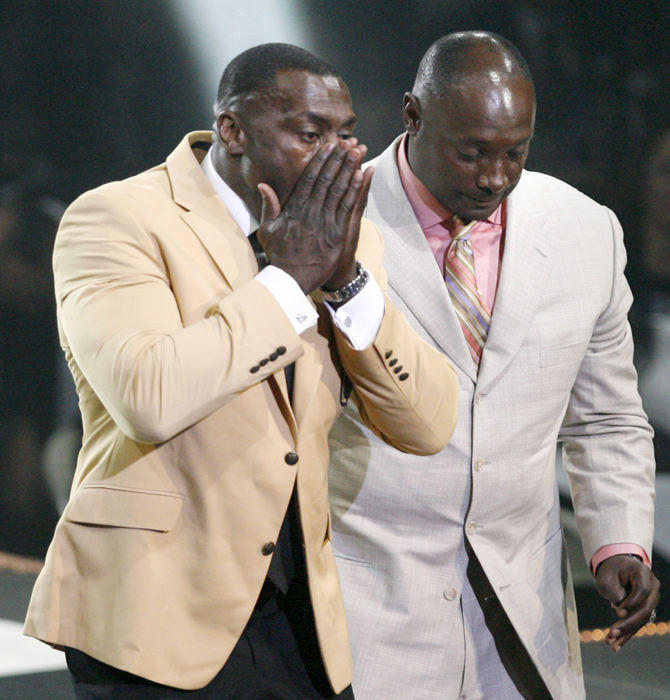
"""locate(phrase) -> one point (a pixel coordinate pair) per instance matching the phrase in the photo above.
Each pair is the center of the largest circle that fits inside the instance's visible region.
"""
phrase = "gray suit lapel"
(410, 264)
(529, 242)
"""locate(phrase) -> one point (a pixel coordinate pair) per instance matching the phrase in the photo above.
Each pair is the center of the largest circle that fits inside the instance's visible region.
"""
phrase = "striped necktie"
(459, 275)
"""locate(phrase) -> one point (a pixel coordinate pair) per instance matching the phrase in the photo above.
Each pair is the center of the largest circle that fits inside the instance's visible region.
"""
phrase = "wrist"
(348, 290)
(342, 278)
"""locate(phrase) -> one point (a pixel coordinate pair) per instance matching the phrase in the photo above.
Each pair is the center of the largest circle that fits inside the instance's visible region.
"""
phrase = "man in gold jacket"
(194, 552)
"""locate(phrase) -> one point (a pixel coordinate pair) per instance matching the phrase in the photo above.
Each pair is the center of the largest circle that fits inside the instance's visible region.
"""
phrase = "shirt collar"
(234, 203)
(429, 212)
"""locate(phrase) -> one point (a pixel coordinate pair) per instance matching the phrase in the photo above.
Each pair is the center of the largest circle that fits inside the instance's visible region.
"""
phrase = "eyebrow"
(325, 122)
(483, 142)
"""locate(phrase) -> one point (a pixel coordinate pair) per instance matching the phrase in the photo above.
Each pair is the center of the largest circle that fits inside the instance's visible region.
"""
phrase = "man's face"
(470, 145)
(285, 130)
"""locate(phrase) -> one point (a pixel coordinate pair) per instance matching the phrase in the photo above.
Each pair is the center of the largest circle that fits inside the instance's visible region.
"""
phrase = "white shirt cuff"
(289, 296)
(360, 318)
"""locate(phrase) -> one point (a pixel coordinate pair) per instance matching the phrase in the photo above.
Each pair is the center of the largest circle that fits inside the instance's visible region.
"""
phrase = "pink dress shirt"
(487, 239)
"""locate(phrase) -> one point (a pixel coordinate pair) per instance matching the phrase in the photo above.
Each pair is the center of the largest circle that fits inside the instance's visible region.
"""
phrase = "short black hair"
(454, 58)
(254, 71)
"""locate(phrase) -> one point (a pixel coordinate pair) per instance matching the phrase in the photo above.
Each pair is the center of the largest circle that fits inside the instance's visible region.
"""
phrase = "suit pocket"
(346, 559)
(550, 357)
(113, 506)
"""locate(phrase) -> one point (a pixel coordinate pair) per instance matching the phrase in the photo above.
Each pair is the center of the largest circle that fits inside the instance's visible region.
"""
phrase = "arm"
(401, 405)
(609, 456)
(155, 375)
(406, 390)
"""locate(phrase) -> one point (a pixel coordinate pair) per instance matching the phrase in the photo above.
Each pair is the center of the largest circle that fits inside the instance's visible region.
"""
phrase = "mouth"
(482, 201)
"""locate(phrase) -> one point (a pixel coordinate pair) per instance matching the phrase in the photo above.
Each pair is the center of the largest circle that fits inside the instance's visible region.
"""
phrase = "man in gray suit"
(454, 570)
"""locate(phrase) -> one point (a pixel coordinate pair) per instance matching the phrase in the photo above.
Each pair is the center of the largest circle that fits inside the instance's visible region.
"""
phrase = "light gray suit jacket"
(557, 368)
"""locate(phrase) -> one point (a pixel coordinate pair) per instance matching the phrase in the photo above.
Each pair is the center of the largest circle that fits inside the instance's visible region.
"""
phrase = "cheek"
(459, 175)
(295, 161)
(514, 171)
(286, 168)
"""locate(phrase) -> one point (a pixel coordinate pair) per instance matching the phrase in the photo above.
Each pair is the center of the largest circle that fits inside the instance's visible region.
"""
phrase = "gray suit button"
(291, 458)
(268, 548)
(450, 593)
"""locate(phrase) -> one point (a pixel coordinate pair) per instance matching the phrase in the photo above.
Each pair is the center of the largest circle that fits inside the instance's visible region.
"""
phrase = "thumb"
(270, 206)
(611, 588)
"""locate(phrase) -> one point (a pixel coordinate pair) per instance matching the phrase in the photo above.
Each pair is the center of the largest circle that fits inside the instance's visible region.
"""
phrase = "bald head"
(455, 60)
(469, 121)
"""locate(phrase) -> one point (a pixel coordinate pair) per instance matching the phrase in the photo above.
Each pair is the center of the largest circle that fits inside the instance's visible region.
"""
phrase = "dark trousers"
(276, 658)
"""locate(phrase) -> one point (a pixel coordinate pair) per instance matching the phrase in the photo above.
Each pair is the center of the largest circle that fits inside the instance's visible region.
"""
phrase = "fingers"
(270, 206)
(343, 200)
(642, 592)
(362, 200)
(343, 191)
(626, 628)
(317, 221)
(304, 187)
(634, 606)
(325, 181)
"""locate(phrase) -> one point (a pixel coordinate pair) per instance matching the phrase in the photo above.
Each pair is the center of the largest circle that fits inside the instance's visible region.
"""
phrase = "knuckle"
(323, 181)
(309, 177)
(337, 190)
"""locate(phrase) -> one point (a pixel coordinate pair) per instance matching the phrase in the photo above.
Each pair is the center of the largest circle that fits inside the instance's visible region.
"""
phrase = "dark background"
(95, 91)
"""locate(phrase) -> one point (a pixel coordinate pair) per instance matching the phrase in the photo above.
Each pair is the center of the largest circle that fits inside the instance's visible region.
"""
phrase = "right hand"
(633, 592)
(314, 237)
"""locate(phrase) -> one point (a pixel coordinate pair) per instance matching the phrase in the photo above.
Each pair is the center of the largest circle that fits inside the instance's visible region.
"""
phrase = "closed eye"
(516, 155)
(468, 157)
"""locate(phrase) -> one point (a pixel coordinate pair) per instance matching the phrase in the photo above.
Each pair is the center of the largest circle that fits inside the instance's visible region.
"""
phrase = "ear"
(411, 113)
(231, 133)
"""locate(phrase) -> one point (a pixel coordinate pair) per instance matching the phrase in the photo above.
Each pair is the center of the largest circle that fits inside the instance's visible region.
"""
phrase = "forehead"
(302, 92)
(477, 109)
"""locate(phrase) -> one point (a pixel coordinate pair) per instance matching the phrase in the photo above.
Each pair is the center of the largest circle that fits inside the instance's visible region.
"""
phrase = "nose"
(493, 176)
(332, 136)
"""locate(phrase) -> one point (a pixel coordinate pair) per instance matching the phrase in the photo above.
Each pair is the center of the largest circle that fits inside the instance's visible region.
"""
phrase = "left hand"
(633, 592)
(313, 237)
